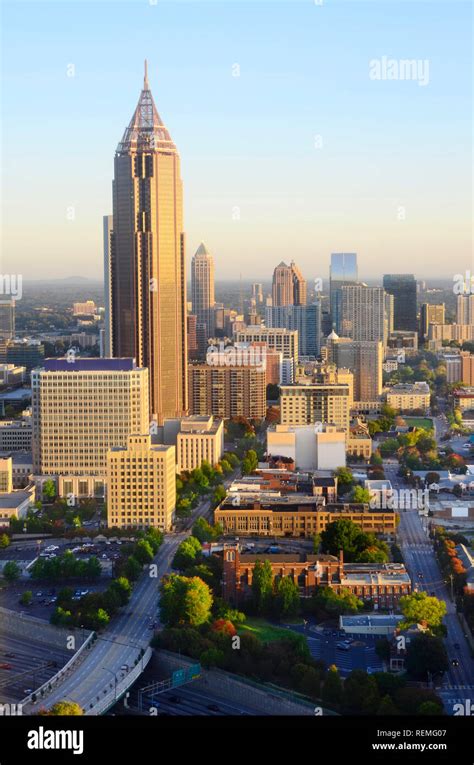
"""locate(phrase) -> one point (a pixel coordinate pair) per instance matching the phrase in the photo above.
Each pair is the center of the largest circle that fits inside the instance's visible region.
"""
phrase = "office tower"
(107, 228)
(289, 287)
(227, 391)
(80, 409)
(257, 293)
(324, 403)
(403, 289)
(305, 319)
(363, 315)
(202, 288)
(343, 270)
(147, 261)
(24, 353)
(465, 309)
(364, 359)
(191, 323)
(277, 339)
(459, 368)
(7, 319)
(431, 313)
(141, 484)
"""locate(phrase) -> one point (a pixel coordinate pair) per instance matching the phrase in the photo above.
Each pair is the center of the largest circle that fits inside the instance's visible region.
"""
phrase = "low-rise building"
(463, 398)
(409, 397)
(359, 442)
(310, 447)
(16, 435)
(370, 624)
(296, 515)
(382, 585)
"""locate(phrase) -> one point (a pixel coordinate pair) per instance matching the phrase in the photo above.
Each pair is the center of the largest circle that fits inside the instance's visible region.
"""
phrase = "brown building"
(296, 515)
(288, 287)
(382, 584)
(225, 391)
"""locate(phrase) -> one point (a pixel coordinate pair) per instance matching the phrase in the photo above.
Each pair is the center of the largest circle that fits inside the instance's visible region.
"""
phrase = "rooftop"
(88, 365)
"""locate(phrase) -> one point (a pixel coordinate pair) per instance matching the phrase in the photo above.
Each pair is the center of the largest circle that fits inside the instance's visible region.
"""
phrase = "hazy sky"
(300, 155)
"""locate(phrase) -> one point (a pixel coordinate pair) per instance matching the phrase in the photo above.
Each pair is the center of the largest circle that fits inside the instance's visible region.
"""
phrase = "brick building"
(382, 584)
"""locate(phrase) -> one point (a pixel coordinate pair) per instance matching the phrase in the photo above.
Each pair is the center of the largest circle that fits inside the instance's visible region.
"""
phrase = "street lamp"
(115, 681)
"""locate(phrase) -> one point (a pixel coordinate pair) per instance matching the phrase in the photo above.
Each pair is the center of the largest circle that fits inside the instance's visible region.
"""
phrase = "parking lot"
(358, 653)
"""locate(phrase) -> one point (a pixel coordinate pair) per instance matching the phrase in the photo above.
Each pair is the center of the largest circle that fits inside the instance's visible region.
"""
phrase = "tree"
(11, 571)
(185, 601)
(4, 541)
(287, 598)
(49, 489)
(143, 551)
(26, 598)
(202, 530)
(420, 608)
(335, 603)
(389, 447)
(426, 657)
(359, 494)
(65, 708)
(187, 554)
(262, 585)
(386, 707)
(123, 588)
(332, 687)
(344, 479)
(132, 569)
(342, 535)
(361, 695)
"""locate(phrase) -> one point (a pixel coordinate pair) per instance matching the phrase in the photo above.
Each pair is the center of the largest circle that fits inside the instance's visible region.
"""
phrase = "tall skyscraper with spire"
(202, 288)
(146, 258)
(288, 287)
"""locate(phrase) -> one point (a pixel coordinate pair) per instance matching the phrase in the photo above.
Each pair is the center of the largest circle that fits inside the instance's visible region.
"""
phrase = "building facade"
(202, 288)
(200, 438)
(147, 280)
(141, 484)
(226, 391)
(315, 403)
(403, 289)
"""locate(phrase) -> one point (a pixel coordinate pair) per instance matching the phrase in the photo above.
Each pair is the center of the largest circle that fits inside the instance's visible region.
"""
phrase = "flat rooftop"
(88, 365)
(371, 620)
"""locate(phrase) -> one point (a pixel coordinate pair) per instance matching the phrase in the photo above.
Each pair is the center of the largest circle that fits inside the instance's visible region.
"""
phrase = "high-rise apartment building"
(199, 438)
(278, 339)
(289, 286)
(227, 391)
(257, 293)
(343, 270)
(141, 484)
(364, 358)
(431, 313)
(305, 319)
(147, 260)
(202, 288)
(364, 314)
(464, 309)
(403, 289)
(326, 404)
(7, 319)
(81, 409)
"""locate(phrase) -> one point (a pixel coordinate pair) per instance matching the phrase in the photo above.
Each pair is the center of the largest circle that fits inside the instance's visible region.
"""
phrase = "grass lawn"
(419, 422)
(263, 630)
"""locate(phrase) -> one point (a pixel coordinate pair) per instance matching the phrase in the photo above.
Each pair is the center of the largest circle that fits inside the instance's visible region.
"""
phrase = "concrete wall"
(27, 626)
(255, 696)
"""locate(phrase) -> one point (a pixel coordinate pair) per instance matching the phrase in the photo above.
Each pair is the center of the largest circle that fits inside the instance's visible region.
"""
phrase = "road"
(187, 701)
(419, 557)
(121, 643)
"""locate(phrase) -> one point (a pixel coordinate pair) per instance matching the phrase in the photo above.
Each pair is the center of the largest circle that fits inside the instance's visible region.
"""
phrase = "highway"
(419, 557)
(120, 644)
(188, 700)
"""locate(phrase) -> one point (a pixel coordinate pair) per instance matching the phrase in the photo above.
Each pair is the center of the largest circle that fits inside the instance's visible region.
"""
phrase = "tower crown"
(146, 130)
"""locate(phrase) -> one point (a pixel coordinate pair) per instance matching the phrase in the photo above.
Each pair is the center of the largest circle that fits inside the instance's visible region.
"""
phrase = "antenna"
(145, 79)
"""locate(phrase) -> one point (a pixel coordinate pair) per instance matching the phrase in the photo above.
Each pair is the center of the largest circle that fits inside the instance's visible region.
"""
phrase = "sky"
(290, 146)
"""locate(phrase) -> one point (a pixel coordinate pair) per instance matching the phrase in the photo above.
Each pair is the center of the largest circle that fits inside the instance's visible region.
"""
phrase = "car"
(455, 662)
(213, 708)
(5, 665)
(457, 646)
(342, 646)
(420, 574)
(104, 556)
(124, 667)
(39, 594)
(27, 690)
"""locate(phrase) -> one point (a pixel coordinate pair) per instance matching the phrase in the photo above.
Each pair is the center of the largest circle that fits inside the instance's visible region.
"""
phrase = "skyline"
(232, 132)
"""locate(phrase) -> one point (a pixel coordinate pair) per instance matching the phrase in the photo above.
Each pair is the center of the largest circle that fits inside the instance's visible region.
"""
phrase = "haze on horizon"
(299, 155)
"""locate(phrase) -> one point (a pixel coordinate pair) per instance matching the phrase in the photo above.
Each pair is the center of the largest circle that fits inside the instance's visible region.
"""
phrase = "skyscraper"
(431, 313)
(304, 318)
(465, 309)
(288, 287)
(364, 358)
(7, 319)
(403, 289)
(202, 288)
(343, 270)
(147, 261)
(364, 313)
